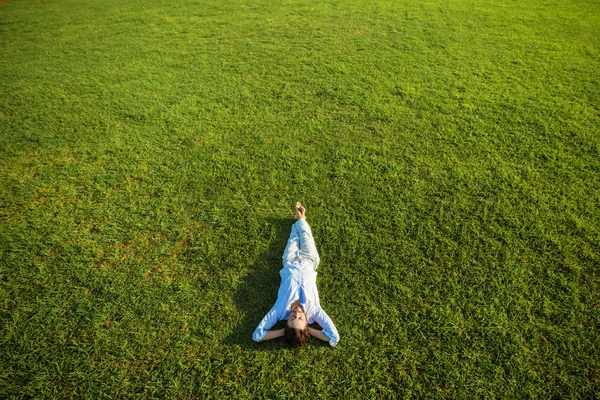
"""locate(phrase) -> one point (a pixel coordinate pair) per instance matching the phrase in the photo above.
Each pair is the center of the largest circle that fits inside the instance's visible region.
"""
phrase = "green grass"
(448, 154)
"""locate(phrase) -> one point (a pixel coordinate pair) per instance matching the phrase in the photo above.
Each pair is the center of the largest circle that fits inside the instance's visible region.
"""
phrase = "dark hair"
(296, 337)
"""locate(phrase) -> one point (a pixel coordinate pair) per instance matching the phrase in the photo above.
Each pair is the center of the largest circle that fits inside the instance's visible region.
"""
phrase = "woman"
(298, 298)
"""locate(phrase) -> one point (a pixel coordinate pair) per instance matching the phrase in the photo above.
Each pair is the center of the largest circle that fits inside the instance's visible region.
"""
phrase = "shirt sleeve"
(267, 322)
(329, 330)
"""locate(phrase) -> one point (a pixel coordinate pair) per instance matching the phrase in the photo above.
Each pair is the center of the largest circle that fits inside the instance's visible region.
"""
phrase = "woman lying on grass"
(298, 298)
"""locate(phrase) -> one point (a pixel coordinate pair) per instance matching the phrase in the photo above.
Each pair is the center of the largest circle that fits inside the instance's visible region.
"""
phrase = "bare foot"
(300, 211)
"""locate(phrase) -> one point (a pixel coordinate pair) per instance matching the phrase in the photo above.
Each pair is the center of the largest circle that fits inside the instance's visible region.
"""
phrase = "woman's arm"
(267, 322)
(329, 331)
(274, 334)
(318, 334)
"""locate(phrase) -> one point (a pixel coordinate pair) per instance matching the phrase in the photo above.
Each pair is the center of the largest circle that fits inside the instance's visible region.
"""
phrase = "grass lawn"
(448, 154)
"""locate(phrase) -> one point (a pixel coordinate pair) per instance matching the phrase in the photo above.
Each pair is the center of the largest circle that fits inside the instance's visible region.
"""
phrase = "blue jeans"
(301, 245)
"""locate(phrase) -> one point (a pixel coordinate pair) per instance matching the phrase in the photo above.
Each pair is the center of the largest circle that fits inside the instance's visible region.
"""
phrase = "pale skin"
(297, 317)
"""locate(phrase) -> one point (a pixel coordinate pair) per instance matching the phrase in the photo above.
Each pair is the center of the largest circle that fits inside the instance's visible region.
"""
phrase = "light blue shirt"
(298, 281)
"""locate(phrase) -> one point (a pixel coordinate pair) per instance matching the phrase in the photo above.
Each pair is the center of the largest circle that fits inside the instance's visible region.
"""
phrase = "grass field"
(448, 154)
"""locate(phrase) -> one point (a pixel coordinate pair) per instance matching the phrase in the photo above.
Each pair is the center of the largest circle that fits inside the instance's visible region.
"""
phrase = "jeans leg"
(308, 248)
(293, 246)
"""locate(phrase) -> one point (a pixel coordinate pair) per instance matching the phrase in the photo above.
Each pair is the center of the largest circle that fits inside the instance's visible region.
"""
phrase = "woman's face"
(297, 319)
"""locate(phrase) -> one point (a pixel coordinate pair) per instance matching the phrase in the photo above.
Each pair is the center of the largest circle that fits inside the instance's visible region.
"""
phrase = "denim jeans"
(301, 245)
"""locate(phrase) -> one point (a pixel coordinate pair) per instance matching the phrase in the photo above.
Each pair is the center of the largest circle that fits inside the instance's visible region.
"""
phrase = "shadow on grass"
(258, 291)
